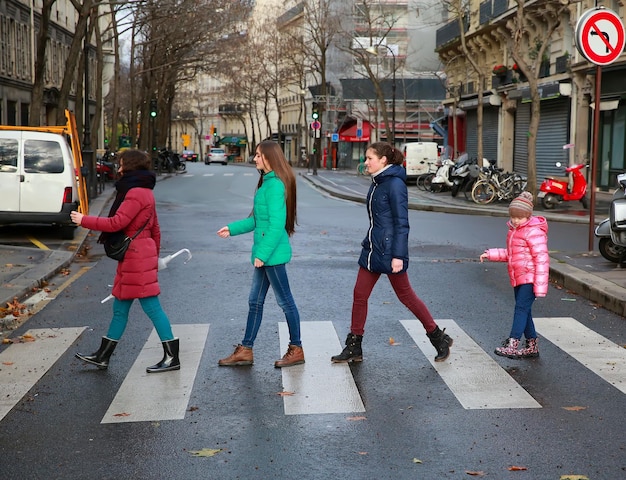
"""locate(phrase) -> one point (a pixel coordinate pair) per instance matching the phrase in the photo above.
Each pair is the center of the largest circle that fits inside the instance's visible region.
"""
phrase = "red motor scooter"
(555, 190)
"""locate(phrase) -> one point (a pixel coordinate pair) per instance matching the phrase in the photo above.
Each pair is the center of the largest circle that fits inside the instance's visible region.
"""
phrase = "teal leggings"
(151, 306)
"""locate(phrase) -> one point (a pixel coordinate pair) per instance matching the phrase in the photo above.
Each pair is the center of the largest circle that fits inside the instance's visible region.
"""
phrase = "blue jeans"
(151, 306)
(523, 317)
(263, 277)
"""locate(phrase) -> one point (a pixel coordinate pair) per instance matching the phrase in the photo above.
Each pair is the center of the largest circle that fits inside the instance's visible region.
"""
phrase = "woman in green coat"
(272, 222)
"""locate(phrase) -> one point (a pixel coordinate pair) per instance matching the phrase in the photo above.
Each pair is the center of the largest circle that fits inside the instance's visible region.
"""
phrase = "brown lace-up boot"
(294, 356)
(241, 356)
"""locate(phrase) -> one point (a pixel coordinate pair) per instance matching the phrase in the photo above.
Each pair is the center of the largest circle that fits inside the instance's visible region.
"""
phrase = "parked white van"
(417, 157)
(37, 179)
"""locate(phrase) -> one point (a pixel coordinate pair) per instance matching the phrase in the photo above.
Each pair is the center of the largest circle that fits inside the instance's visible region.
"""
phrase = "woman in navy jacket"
(386, 250)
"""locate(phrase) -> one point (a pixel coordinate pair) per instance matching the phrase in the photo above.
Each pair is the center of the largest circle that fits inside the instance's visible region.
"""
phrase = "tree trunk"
(36, 102)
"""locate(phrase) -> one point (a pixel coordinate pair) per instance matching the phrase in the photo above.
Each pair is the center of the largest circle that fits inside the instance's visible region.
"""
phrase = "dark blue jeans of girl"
(263, 277)
(523, 318)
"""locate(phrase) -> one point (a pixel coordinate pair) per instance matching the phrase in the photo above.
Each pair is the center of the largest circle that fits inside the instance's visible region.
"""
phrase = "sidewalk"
(585, 273)
(22, 268)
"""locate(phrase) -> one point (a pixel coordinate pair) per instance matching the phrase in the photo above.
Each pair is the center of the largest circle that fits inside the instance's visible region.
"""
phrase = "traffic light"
(215, 132)
(153, 108)
(315, 114)
(212, 130)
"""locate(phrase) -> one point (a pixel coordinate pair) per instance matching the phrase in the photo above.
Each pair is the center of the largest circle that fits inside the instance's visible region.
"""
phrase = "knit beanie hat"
(522, 206)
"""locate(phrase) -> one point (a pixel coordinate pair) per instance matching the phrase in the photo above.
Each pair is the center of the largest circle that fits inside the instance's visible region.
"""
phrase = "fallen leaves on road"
(475, 473)
(573, 477)
(356, 418)
(417, 460)
(26, 338)
(14, 308)
(575, 408)
(123, 414)
(515, 468)
(205, 452)
(392, 342)
(285, 393)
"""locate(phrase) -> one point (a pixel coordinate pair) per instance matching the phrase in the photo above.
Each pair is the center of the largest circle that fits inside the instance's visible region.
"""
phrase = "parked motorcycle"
(465, 170)
(441, 181)
(170, 161)
(612, 231)
(555, 190)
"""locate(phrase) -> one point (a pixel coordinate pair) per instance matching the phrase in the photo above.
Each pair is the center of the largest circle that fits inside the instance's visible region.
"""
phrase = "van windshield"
(43, 156)
(8, 155)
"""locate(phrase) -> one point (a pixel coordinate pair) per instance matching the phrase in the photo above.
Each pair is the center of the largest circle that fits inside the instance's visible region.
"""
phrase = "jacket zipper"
(369, 233)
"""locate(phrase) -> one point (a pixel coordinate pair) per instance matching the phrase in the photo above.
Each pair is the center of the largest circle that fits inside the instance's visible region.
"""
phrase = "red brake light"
(67, 195)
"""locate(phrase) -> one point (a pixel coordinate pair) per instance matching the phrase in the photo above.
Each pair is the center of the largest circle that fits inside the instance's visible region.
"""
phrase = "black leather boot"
(352, 352)
(170, 359)
(441, 342)
(100, 358)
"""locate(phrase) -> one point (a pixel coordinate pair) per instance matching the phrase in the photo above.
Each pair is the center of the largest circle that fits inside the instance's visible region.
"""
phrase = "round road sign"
(315, 125)
(600, 36)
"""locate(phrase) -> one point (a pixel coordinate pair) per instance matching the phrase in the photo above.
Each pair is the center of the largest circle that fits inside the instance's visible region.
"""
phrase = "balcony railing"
(449, 32)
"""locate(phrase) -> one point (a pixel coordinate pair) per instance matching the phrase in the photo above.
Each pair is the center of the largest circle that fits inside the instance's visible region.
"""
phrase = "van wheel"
(67, 232)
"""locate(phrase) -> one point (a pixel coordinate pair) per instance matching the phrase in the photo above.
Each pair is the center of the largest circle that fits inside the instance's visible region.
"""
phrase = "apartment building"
(400, 36)
(566, 83)
(19, 23)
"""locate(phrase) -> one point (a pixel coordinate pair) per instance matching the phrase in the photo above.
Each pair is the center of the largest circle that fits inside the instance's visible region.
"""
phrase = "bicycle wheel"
(360, 169)
(484, 192)
(428, 180)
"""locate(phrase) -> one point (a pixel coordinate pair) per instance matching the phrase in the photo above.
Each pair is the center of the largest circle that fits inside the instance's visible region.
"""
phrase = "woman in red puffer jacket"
(136, 277)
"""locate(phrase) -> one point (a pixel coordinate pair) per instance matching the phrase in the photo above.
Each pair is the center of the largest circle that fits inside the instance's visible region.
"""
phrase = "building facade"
(566, 83)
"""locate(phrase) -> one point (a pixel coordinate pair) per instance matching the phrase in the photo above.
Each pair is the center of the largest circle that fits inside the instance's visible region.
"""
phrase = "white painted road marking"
(23, 364)
(145, 397)
(475, 378)
(319, 386)
(603, 357)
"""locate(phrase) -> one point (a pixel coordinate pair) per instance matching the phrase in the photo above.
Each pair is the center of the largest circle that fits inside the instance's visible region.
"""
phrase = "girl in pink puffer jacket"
(528, 261)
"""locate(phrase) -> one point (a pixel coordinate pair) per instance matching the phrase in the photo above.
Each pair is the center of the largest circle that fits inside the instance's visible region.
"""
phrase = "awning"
(236, 140)
(349, 133)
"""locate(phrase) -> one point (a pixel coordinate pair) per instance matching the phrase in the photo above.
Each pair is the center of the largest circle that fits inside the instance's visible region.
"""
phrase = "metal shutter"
(490, 133)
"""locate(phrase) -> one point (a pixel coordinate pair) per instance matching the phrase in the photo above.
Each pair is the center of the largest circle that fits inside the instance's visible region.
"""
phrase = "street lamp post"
(374, 51)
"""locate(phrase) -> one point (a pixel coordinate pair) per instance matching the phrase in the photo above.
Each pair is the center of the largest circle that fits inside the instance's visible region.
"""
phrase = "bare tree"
(527, 36)
(36, 103)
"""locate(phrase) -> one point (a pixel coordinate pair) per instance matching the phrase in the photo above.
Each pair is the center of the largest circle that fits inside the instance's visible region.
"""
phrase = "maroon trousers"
(365, 282)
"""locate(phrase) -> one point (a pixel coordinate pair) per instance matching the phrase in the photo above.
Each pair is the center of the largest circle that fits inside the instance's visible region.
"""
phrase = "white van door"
(45, 173)
(10, 175)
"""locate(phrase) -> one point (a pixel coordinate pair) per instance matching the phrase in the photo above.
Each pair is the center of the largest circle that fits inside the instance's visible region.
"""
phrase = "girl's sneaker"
(530, 350)
(508, 348)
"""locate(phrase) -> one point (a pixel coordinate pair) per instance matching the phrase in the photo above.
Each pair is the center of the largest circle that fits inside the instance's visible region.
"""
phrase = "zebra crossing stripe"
(23, 364)
(145, 397)
(477, 381)
(318, 386)
(603, 357)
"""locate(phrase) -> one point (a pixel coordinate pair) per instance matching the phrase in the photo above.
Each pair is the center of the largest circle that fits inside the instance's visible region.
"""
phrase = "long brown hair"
(275, 157)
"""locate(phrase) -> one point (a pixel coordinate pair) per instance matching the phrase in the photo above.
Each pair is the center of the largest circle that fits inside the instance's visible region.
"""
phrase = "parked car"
(189, 156)
(216, 155)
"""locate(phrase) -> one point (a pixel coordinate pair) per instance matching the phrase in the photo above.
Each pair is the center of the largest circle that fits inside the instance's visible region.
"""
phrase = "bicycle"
(505, 186)
(360, 168)
(424, 180)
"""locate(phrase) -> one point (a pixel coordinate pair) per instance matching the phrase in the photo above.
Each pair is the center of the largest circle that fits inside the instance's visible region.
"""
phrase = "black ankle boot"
(352, 352)
(100, 358)
(170, 359)
(441, 342)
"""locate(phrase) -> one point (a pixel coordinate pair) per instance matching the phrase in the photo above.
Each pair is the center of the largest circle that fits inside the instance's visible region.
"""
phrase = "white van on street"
(37, 179)
(419, 158)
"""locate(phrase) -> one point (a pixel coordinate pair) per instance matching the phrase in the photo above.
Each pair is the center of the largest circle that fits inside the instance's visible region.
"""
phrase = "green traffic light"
(315, 115)
(153, 114)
